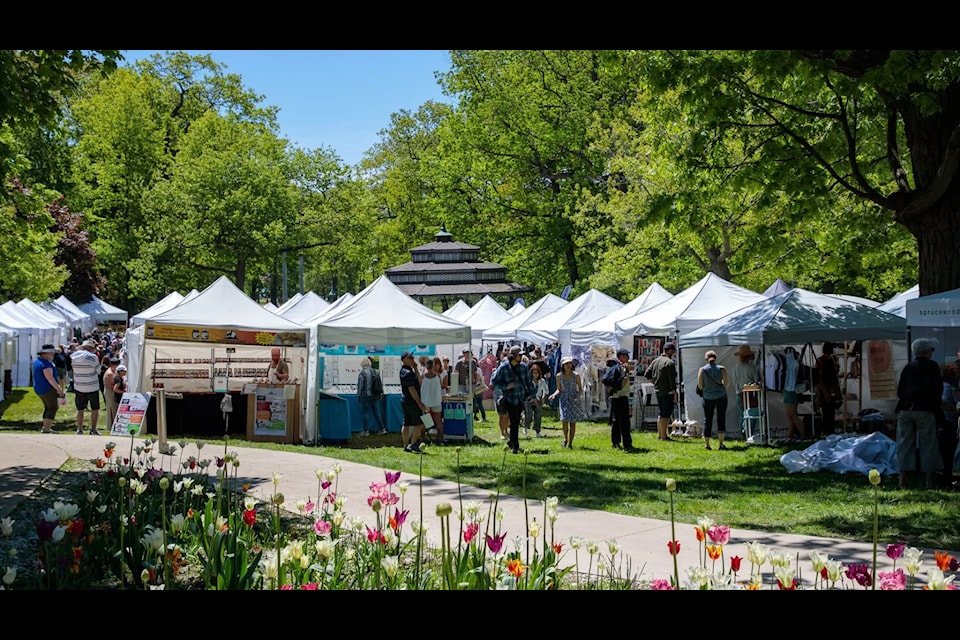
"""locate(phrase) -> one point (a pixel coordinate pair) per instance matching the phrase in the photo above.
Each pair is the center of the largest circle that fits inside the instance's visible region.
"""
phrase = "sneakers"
(94, 432)
(540, 434)
(524, 432)
(617, 446)
(563, 445)
(412, 449)
(79, 432)
(364, 433)
(382, 432)
(503, 437)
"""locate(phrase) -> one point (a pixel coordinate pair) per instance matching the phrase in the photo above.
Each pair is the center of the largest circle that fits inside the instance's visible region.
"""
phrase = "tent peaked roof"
(897, 305)
(704, 301)
(309, 305)
(460, 308)
(166, 303)
(87, 323)
(335, 307)
(222, 304)
(103, 311)
(604, 330)
(778, 287)
(797, 316)
(556, 326)
(485, 314)
(382, 314)
(289, 303)
(507, 330)
(518, 307)
(858, 299)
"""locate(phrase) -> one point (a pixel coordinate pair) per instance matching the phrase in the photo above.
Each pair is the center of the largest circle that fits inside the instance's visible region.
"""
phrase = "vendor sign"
(185, 333)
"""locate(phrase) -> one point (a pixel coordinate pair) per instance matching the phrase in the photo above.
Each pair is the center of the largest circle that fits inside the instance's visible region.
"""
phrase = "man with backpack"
(617, 381)
(370, 397)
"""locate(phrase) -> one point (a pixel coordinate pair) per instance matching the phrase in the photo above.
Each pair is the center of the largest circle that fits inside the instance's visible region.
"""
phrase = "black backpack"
(376, 384)
(613, 378)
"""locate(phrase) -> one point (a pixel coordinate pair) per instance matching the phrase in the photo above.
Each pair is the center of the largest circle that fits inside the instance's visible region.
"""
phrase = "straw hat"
(745, 351)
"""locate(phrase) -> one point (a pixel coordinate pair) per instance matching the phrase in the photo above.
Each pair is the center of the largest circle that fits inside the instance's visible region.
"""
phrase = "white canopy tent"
(222, 324)
(166, 303)
(8, 354)
(32, 334)
(34, 310)
(102, 311)
(269, 306)
(709, 298)
(306, 307)
(483, 315)
(517, 307)
(557, 325)
(507, 330)
(897, 305)
(936, 316)
(78, 320)
(459, 308)
(796, 317)
(292, 300)
(604, 330)
(382, 315)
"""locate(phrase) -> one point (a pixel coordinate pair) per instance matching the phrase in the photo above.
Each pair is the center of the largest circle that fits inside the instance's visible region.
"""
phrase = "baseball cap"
(623, 352)
(406, 354)
(122, 368)
(669, 345)
(516, 350)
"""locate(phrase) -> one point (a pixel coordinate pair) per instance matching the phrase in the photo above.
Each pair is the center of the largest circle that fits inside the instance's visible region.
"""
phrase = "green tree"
(874, 127)
(28, 240)
(34, 85)
(128, 128)
(228, 207)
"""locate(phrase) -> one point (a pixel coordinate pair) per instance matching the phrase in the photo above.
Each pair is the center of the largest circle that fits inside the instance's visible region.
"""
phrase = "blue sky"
(337, 99)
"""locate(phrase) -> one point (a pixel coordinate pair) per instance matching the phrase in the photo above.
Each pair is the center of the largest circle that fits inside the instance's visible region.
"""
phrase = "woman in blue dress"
(570, 391)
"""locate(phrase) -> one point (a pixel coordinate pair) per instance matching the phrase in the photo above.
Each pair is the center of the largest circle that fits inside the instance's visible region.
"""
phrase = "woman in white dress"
(431, 393)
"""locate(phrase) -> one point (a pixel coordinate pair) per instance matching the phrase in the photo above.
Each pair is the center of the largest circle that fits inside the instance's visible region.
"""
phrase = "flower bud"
(444, 509)
(164, 483)
(874, 477)
(671, 484)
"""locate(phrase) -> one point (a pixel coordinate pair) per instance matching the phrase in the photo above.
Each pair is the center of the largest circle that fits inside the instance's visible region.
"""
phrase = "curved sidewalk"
(26, 460)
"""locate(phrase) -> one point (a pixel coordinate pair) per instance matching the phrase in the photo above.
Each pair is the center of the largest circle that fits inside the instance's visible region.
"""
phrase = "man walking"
(620, 405)
(513, 378)
(662, 372)
(86, 384)
(918, 391)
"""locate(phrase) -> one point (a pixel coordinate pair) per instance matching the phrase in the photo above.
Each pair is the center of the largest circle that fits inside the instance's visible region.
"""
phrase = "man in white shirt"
(86, 384)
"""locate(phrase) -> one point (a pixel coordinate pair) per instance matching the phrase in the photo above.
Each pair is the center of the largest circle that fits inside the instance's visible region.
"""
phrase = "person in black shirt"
(919, 391)
(413, 407)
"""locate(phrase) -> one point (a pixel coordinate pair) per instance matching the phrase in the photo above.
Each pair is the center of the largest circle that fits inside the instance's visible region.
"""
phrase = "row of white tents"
(381, 314)
(26, 325)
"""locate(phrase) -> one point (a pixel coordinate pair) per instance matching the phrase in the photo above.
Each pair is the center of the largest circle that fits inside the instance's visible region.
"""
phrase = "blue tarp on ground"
(856, 453)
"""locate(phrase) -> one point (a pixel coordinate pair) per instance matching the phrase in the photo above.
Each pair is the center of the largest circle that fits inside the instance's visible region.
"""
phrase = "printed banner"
(271, 408)
(186, 333)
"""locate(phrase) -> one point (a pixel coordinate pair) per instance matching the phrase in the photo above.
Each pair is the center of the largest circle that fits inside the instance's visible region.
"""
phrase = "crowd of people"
(91, 369)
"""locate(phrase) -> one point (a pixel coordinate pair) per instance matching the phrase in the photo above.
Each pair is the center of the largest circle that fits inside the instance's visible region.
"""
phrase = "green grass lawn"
(745, 487)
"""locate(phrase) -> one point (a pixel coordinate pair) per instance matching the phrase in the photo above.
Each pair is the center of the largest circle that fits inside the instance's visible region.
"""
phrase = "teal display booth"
(457, 418)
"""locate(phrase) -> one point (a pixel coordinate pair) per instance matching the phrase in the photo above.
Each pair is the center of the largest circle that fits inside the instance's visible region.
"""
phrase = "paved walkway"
(26, 460)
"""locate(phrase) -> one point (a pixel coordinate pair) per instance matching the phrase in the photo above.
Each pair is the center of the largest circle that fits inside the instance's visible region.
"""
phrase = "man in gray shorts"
(86, 385)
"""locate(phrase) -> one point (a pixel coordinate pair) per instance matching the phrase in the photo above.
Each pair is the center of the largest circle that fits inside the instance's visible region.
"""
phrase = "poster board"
(131, 414)
(646, 349)
(273, 413)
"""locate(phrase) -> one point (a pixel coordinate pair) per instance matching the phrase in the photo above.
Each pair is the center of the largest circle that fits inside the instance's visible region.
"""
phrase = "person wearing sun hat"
(47, 385)
(570, 391)
(744, 372)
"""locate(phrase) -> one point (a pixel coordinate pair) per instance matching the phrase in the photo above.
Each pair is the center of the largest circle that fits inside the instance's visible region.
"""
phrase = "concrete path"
(26, 460)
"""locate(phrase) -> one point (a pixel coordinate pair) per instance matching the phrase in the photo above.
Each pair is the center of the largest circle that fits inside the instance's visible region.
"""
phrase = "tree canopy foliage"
(614, 169)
